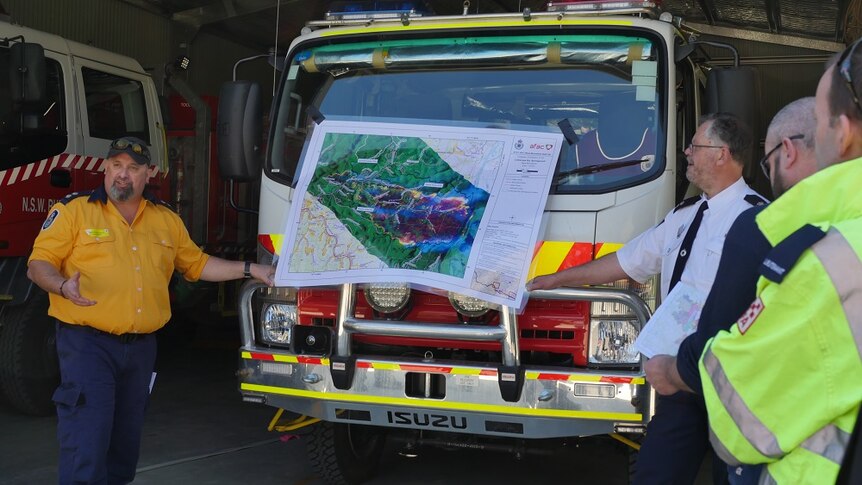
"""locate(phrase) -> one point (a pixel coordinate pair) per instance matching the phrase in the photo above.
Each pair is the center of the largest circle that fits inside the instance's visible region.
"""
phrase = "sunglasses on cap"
(764, 162)
(845, 67)
(124, 144)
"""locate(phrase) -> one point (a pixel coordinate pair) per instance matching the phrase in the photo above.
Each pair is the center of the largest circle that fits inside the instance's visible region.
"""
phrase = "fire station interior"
(198, 429)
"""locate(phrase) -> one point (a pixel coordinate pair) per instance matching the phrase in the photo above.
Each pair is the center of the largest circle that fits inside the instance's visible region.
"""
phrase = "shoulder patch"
(786, 253)
(50, 219)
(686, 203)
(755, 199)
(747, 319)
(75, 195)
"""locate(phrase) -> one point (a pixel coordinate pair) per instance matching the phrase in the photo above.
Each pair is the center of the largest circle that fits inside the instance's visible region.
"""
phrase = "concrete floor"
(199, 431)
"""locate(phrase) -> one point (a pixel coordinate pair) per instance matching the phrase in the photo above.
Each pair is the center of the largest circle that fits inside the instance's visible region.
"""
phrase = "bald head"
(790, 145)
(797, 118)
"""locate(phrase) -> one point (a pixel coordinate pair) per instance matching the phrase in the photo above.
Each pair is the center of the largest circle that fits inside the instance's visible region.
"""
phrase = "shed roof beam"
(841, 21)
(773, 15)
(708, 9)
(224, 10)
(757, 36)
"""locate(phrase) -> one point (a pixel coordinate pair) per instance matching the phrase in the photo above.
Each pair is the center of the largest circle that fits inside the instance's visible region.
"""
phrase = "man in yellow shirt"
(106, 257)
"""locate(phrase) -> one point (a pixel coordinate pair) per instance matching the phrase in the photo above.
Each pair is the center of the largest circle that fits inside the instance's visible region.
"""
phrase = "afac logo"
(747, 319)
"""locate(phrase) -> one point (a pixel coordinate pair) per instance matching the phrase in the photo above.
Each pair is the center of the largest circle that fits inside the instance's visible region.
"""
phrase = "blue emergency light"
(376, 10)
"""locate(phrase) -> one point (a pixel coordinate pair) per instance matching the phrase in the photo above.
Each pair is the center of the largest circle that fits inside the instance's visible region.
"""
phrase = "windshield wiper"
(599, 168)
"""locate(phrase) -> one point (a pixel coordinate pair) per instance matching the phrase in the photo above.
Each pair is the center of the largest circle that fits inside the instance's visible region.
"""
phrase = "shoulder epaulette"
(755, 199)
(686, 203)
(166, 204)
(786, 253)
(75, 195)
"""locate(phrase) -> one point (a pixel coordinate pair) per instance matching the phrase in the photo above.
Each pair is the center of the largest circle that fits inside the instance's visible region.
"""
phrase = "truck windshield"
(603, 91)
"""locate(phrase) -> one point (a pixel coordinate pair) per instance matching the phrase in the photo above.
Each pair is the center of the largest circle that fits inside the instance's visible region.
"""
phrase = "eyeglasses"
(122, 144)
(845, 67)
(692, 146)
(764, 162)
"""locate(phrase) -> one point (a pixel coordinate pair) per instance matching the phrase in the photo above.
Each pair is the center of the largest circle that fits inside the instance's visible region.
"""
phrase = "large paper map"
(380, 202)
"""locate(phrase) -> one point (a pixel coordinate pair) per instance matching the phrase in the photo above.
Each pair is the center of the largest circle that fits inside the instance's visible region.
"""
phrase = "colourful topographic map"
(378, 201)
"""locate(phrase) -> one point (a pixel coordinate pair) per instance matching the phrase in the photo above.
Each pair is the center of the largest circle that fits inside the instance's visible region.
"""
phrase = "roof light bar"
(374, 10)
(599, 5)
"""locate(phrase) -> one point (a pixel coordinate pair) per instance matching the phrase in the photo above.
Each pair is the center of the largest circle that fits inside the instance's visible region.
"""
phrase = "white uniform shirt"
(657, 248)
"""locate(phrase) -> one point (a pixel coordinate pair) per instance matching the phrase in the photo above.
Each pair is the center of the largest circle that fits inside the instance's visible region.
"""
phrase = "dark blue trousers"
(103, 393)
(676, 442)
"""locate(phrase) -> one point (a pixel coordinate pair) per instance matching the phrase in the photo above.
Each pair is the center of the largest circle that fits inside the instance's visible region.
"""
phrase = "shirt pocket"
(95, 251)
(672, 246)
(162, 250)
(713, 255)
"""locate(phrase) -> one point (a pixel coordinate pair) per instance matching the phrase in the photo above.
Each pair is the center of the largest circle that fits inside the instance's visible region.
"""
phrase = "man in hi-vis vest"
(783, 386)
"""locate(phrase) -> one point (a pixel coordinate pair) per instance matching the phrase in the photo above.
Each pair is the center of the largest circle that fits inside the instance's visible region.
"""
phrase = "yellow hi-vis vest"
(784, 385)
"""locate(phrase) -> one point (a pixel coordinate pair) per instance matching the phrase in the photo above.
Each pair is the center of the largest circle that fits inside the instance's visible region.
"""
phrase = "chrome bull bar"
(506, 332)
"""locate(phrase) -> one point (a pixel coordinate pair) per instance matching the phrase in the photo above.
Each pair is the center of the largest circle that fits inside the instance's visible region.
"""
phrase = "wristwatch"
(246, 271)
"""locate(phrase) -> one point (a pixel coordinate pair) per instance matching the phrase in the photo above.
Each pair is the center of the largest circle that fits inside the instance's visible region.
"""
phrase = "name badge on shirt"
(96, 232)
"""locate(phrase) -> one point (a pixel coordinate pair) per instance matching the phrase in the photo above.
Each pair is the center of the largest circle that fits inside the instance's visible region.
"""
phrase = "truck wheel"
(633, 456)
(29, 371)
(345, 454)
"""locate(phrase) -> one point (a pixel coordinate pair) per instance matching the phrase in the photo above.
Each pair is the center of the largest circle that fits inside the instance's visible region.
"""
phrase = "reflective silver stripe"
(845, 270)
(760, 437)
(830, 443)
(721, 450)
(766, 477)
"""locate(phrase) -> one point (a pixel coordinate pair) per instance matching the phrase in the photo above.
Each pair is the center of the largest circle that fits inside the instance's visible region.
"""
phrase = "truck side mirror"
(731, 90)
(28, 77)
(239, 131)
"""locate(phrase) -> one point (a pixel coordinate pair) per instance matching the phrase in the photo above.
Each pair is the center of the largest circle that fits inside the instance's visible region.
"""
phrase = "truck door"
(114, 103)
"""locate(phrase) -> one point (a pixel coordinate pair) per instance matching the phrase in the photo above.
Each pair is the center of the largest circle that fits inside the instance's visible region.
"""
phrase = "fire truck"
(61, 104)
(370, 362)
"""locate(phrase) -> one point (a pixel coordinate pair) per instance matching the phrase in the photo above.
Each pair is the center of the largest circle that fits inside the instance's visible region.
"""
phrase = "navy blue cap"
(134, 147)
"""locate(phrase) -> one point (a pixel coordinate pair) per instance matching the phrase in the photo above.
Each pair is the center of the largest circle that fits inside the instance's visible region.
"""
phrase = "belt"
(124, 338)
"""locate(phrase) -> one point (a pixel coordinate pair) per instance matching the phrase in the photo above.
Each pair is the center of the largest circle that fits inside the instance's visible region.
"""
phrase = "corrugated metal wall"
(151, 39)
(106, 24)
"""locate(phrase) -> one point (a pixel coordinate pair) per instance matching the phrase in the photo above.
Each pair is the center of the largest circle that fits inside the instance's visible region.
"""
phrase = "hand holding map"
(674, 320)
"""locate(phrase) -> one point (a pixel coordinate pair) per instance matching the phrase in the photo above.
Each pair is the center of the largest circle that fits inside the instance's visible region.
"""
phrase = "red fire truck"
(61, 103)
(371, 361)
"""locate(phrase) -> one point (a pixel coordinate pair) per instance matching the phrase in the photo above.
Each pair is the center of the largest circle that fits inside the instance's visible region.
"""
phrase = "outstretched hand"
(545, 282)
(263, 273)
(72, 291)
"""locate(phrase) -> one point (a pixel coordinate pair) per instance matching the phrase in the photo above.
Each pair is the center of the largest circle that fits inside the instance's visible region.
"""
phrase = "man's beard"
(120, 195)
(776, 181)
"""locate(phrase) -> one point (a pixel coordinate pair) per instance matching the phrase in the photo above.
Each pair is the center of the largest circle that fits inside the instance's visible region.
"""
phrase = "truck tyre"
(29, 371)
(633, 456)
(345, 454)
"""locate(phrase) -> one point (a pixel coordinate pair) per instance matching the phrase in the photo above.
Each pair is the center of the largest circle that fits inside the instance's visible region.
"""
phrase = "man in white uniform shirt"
(684, 247)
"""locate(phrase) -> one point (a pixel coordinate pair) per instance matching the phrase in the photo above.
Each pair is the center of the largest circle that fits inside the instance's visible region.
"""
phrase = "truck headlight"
(468, 306)
(614, 327)
(276, 323)
(612, 341)
(388, 297)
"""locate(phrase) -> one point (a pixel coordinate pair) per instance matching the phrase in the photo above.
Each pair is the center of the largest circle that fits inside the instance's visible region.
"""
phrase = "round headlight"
(277, 323)
(387, 297)
(468, 306)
